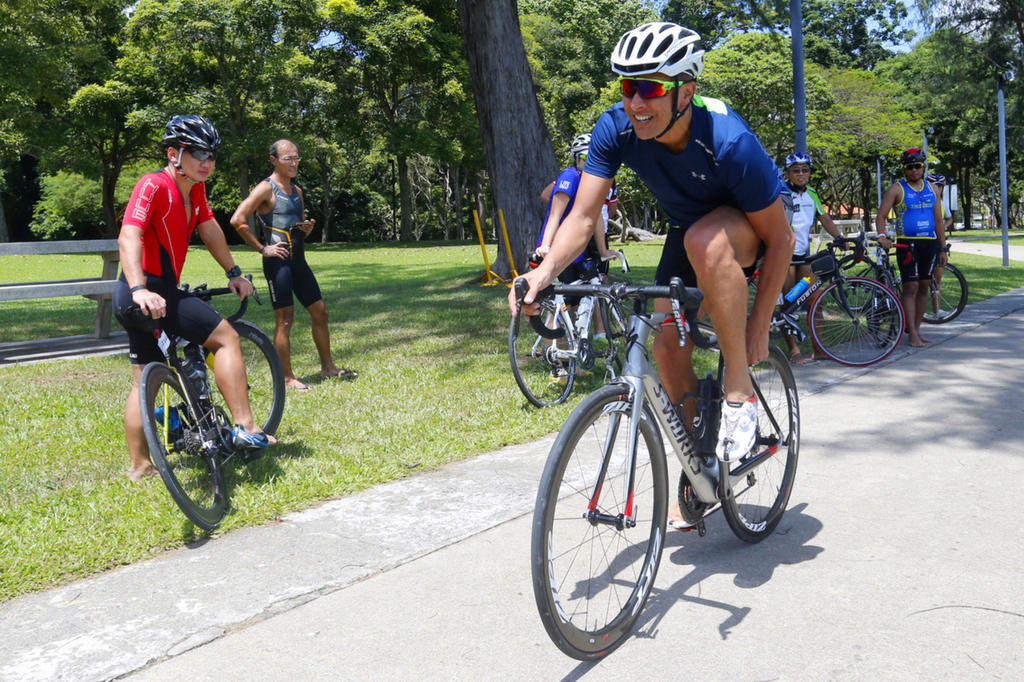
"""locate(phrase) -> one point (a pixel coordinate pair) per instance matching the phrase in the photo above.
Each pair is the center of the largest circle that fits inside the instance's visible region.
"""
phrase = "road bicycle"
(855, 321)
(602, 503)
(558, 346)
(947, 297)
(188, 431)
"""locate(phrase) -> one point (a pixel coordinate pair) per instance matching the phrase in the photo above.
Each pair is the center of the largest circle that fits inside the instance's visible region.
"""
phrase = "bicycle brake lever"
(255, 294)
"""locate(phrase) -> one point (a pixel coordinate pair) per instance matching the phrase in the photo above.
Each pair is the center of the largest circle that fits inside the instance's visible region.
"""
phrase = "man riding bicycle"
(720, 190)
(165, 208)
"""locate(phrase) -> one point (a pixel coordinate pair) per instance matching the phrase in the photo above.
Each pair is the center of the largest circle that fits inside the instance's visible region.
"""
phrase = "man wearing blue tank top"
(280, 207)
(920, 234)
(720, 190)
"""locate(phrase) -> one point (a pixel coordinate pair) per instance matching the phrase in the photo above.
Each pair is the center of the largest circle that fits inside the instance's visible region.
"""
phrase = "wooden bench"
(97, 288)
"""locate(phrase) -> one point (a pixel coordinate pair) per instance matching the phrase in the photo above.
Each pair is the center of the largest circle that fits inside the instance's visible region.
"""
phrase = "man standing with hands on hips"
(280, 207)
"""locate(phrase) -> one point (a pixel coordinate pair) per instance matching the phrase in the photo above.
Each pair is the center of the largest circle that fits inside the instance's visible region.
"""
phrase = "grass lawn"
(434, 387)
(1013, 238)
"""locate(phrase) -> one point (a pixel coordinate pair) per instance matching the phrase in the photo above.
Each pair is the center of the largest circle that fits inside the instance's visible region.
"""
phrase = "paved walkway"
(898, 559)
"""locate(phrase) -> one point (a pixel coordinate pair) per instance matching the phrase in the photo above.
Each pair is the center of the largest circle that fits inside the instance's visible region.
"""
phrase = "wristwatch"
(235, 271)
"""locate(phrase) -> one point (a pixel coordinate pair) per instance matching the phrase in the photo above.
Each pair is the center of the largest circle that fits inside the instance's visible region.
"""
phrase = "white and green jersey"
(806, 206)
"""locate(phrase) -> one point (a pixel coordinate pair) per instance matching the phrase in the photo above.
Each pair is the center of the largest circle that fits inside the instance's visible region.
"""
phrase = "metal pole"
(1002, 170)
(878, 174)
(799, 111)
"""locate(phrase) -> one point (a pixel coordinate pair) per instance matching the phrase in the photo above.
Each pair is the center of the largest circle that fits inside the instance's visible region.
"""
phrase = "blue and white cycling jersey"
(723, 164)
(567, 182)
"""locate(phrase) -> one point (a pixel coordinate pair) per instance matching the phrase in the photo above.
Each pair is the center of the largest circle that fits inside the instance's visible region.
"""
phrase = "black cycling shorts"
(287, 276)
(675, 263)
(187, 317)
(917, 261)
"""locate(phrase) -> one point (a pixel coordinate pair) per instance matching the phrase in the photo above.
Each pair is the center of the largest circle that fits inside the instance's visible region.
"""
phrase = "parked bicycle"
(560, 345)
(855, 321)
(602, 504)
(188, 431)
(947, 297)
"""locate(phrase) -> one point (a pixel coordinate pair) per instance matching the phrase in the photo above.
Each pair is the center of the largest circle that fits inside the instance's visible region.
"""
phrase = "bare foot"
(295, 384)
(797, 358)
(331, 371)
(146, 470)
(342, 373)
(915, 343)
(926, 340)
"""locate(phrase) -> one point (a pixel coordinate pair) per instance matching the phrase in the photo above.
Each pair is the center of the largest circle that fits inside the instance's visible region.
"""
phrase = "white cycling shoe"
(738, 430)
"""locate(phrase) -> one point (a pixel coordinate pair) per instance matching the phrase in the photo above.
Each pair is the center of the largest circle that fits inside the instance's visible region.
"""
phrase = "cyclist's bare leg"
(717, 244)
(229, 372)
(140, 466)
(322, 338)
(675, 371)
(284, 318)
(915, 298)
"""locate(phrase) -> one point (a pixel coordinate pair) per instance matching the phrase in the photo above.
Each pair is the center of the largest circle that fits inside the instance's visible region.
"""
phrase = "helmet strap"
(676, 114)
(181, 172)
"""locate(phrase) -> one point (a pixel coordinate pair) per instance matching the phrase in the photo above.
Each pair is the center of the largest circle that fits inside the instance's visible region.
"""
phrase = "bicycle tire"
(543, 379)
(591, 580)
(952, 297)
(754, 511)
(858, 326)
(615, 333)
(264, 376)
(195, 480)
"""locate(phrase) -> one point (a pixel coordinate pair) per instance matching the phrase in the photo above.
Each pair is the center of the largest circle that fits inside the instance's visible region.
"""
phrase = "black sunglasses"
(913, 166)
(202, 154)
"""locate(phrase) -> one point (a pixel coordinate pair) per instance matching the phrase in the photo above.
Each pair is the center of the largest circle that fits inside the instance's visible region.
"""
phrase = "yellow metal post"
(508, 249)
(488, 279)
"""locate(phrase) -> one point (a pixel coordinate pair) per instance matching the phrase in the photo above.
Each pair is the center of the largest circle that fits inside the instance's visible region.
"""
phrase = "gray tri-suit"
(292, 274)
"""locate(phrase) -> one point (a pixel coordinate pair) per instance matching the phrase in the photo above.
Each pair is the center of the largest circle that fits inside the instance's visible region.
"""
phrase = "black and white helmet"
(580, 145)
(191, 131)
(659, 47)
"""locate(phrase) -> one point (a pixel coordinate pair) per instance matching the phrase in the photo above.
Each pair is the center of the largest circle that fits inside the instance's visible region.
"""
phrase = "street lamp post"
(1007, 75)
(878, 174)
(924, 147)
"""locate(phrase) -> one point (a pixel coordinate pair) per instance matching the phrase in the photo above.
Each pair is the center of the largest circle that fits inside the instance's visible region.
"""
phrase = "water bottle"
(173, 420)
(798, 288)
(195, 368)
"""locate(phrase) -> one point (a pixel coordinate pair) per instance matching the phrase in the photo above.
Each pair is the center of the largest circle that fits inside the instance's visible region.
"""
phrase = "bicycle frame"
(706, 475)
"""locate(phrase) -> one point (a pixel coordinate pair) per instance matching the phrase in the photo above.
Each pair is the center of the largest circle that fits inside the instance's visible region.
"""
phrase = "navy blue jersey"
(724, 164)
(567, 182)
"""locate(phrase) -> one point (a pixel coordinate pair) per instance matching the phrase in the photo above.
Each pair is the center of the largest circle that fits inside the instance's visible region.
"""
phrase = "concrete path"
(899, 558)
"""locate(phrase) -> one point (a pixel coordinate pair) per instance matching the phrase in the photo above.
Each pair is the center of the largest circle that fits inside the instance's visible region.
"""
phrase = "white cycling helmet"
(580, 145)
(798, 157)
(659, 47)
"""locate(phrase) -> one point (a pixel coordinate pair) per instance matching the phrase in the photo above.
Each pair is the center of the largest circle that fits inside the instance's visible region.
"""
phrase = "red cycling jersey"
(157, 209)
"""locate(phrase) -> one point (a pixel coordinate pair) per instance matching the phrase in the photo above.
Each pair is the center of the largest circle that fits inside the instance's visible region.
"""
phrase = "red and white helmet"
(659, 47)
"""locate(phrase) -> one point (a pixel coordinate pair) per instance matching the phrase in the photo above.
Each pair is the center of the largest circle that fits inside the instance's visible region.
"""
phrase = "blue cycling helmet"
(799, 157)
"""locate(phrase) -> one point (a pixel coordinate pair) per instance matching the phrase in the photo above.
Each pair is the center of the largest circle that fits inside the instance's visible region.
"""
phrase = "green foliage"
(753, 73)
(569, 46)
(68, 208)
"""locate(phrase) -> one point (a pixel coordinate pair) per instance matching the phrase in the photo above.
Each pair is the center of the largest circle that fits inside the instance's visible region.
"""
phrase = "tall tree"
(230, 60)
(520, 160)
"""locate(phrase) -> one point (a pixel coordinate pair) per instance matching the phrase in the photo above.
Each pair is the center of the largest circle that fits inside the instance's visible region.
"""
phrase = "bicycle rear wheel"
(753, 506)
(948, 298)
(264, 375)
(856, 325)
(592, 577)
(542, 377)
(194, 478)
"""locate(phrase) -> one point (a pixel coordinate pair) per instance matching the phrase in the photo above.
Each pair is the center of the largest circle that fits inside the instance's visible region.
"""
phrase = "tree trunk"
(404, 199)
(519, 156)
(109, 182)
(5, 236)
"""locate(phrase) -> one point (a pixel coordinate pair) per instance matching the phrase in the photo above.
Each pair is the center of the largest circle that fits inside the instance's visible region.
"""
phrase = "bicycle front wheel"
(754, 504)
(264, 375)
(194, 478)
(596, 542)
(856, 322)
(543, 378)
(947, 298)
